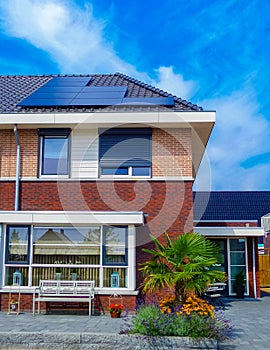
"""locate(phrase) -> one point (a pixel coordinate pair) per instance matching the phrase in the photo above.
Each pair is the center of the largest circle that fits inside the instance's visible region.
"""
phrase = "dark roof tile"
(231, 205)
(13, 89)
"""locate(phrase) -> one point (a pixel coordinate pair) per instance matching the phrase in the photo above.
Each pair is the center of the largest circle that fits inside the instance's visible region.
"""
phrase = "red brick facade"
(168, 206)
(101, 303)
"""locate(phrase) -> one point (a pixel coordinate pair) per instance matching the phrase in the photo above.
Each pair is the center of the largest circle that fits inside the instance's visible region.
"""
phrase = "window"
(115, 245)
(237, 259)
(17, 255)
(17, 246)
(83, 253)
(125, 152)
(54, 151)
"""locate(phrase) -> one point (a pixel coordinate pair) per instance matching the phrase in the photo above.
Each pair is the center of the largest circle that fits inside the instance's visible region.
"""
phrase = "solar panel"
(100, 94)
(68, 81)
(73, 91)
(161, 101)
(46, 102)
(54, 94)
(123, 89)
(52, 89)
(95, 101)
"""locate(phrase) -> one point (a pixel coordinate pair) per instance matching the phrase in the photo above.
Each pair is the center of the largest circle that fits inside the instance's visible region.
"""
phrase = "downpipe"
(17, 185)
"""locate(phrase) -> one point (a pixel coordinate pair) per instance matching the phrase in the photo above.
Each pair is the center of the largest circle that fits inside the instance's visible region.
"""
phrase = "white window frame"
(130, 267)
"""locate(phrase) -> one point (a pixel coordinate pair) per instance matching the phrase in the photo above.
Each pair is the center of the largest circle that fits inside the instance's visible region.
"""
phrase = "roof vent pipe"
(17, 185)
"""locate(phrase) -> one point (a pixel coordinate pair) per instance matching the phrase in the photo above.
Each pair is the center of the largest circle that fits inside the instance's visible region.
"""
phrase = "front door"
(223, 265)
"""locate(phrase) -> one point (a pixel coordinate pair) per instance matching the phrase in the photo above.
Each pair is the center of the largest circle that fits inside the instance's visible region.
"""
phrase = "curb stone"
(101, 341)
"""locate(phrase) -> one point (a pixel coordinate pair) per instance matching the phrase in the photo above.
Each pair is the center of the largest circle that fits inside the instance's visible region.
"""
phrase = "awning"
(72, 217)
(230, 231)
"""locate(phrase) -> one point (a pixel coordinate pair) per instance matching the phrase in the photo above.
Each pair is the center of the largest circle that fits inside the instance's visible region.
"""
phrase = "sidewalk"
(251, 323)
(250, 319)
(26, 322)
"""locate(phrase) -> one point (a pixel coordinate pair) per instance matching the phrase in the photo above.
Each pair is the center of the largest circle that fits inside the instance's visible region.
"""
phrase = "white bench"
(63, 291)
(215, 290)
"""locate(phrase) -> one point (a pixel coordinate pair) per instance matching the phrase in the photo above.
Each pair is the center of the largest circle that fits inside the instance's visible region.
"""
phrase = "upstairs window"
(125, 152)
(54, 151)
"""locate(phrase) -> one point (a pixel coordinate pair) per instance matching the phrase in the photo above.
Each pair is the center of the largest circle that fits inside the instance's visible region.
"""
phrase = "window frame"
(30, 265)
(129, 172)
(106, 264)
(43, 134)
(24, 263)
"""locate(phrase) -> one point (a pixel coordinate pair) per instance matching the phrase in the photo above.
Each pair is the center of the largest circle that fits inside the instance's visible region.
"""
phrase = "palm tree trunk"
(179, 292)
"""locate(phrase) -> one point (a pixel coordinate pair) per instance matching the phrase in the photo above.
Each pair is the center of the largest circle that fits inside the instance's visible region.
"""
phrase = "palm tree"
(184, 263)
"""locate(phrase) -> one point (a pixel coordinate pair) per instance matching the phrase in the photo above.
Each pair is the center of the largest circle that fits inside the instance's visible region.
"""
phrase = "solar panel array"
(164, 101)
(75, 91)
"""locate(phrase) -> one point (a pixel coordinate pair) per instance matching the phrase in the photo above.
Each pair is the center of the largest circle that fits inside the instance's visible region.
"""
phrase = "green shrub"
(150, 321)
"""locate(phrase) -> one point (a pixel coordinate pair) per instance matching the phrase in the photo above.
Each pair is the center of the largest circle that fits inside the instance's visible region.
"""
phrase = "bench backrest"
(53, 287)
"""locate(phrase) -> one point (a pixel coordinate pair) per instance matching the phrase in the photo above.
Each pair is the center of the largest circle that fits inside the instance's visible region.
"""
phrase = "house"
(232, 219)
(90, 166)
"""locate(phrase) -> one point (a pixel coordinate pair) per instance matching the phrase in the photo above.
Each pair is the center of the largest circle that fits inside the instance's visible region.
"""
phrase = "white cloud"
(174, 83)
(73, 37)
(240, 133)
(75, 40)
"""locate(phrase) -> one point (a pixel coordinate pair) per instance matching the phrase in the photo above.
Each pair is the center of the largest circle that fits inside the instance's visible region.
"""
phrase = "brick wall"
(168, 204)
(7, 195)
(250, 267)
(172, 152)
(8, 153)
(29, 152)
(101, 304)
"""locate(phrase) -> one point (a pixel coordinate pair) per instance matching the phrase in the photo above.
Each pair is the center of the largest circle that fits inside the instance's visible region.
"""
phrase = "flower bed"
(196, 319)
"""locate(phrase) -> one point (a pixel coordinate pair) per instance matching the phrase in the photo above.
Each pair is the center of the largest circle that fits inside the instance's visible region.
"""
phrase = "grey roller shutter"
(125, 147)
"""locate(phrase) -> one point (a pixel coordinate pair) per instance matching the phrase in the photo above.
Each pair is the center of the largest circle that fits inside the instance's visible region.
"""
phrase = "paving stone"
(250, 318)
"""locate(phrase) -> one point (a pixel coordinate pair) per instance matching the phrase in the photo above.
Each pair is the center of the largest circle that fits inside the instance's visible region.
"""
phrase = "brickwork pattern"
(167, 204)
(250, 267)
(7, 195)
(8, 153)
(171, 152)
(101, 303)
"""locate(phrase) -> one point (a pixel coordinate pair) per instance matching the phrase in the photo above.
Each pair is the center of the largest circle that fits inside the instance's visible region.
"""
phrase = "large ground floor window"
(99, 253)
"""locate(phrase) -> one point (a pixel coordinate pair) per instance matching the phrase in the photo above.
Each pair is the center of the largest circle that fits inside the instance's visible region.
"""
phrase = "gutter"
(17, 185)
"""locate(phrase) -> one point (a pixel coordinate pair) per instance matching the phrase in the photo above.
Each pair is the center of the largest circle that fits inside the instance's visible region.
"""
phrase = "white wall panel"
(84, 153)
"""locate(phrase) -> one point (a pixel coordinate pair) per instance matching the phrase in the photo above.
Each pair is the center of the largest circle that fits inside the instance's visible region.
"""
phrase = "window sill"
(53, 176)
(98, 290)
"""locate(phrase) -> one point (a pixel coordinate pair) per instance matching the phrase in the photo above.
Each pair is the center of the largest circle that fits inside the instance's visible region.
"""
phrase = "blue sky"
(214, 53)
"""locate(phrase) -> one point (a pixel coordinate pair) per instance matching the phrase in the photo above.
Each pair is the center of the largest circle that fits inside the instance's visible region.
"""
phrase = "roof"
(231, 205)
(14, 89)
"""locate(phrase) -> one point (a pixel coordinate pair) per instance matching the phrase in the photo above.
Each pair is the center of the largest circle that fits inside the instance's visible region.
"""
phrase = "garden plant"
(185, 265)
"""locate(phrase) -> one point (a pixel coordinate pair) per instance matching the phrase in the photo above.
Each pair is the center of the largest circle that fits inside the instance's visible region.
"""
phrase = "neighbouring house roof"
(231, 205)
(14, 89)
